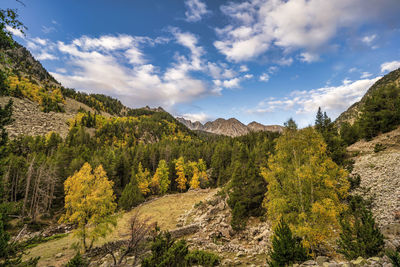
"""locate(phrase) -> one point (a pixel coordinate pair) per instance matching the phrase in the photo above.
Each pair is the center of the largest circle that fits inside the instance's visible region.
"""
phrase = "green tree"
(131, 195)
(360, 235)
(89, 204)
(286, 249)
(336, 148)
(380, 112)
(305, 188)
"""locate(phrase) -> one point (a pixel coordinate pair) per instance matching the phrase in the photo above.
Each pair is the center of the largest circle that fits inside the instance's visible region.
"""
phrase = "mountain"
(231, 127)
(351, 114)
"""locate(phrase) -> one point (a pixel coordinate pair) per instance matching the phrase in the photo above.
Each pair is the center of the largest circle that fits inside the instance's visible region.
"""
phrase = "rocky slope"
(231, 127)
(377, 162)
(354, 110)
(30, 120)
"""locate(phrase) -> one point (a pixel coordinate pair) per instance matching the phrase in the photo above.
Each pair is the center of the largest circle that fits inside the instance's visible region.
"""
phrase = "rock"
(59, 255)
(309, 263)
(321, 259)
(359, 261)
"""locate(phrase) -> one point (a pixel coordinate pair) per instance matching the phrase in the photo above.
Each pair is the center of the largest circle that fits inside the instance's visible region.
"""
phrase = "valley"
(111, 178)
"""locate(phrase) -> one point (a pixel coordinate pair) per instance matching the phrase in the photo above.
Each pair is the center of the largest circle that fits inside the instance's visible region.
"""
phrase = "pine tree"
(131, 195)
(286, 249)
(360, 235)
(89, 203)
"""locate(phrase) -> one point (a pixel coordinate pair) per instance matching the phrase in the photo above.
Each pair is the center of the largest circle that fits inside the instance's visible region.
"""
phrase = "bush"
(167, 252)
(360, 235)
(286, 249)
(77, 261)
(203, 258)
(394, 257)
(379, 147)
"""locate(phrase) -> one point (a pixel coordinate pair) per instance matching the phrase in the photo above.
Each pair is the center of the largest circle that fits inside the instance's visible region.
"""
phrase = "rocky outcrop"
(216, 234)
(231, 127)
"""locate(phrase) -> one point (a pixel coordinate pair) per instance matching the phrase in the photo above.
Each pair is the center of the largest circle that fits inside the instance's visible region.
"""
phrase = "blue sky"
(262, 60)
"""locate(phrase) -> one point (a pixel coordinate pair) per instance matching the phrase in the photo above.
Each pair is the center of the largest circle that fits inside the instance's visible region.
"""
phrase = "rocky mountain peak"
(230, 127)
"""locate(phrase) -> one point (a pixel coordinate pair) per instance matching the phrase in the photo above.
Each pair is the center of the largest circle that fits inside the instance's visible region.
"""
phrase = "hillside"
(231, 127)
(351, 114)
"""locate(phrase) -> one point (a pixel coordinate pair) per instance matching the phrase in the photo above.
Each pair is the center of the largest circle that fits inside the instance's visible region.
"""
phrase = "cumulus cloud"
(309, 57)
(201, 117)
(290, 25)
(264, 77)
(196, 9)
(390, 66)
(333, 99)
(365, 74)
(117, 66)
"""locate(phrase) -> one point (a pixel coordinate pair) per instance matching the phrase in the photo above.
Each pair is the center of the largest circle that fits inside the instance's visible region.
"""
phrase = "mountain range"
(230, 127)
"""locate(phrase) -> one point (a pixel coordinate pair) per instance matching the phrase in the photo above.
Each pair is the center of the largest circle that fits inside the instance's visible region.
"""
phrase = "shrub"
(379, 147)
(286, 249)
(360, 236)
(203, 258)
(77, 261)
(167, 252)
(394, 257)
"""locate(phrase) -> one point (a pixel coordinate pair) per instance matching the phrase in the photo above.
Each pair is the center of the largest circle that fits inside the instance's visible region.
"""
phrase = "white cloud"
(390, 66)
(45, 56)
(368, 39)
(232, 83)
(47, 30)
(333, 99)
(243, 68)
(365, 74)
(308, 57)
(15, 32)
(117, 66)
(264, 77)
(201, 117)
(259, 25)
(196, 9)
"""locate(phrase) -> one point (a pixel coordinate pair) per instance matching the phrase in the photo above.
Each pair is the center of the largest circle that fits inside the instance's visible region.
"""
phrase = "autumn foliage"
(306, 188)
(89, 204)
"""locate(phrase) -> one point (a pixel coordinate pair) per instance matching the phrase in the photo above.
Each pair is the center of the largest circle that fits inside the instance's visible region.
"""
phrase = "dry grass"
(164, 210)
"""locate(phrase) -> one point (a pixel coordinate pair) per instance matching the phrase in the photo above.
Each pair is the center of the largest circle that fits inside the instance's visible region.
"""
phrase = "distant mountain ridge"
(230, 127)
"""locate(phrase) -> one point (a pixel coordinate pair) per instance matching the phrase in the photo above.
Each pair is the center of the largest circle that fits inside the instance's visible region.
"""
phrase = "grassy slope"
(165, 210)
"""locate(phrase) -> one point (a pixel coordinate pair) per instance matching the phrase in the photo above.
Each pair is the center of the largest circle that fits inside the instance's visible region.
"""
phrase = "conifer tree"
(286, 249)
(180, 171)
(360, 235)
(131, 195)
(89, 203)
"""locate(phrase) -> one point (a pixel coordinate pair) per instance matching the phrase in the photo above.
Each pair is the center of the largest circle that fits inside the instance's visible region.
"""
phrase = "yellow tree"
(180, 171)
(89, 204)
(305, 188)
(194, 182)
(160, 181)
(203, 177)
(143, 178)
